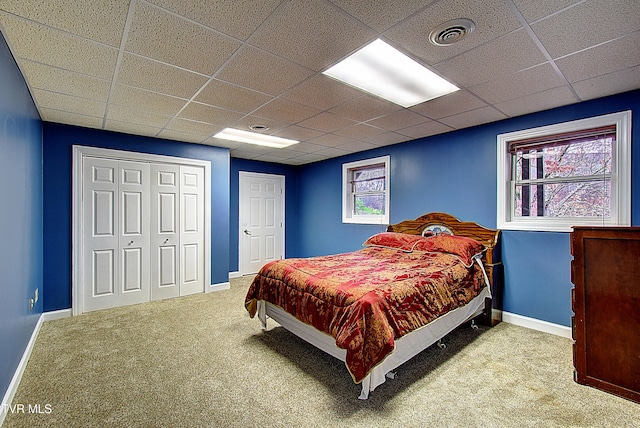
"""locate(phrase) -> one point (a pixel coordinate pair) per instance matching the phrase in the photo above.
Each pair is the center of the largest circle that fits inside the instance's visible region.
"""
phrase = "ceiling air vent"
(451, 32)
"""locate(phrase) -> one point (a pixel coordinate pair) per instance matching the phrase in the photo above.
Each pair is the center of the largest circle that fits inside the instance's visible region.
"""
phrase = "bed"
(377, 307)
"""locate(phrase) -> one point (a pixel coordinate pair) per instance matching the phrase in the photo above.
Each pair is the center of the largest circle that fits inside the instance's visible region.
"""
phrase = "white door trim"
(77, 232)
(245, 174)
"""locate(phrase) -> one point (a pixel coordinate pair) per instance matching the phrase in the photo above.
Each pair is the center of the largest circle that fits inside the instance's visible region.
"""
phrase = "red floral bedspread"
(367, 298)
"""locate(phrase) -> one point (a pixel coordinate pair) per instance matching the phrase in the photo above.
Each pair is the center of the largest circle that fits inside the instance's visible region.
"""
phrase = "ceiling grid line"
(121, 50)
(540, 46)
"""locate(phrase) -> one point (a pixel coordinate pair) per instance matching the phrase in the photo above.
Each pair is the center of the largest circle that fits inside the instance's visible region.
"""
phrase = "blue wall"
(290, 174)
(20, 215)
(456, 173)
(58, 142)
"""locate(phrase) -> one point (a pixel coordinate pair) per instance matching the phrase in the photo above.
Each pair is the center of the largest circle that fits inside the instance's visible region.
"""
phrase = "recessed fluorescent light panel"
(386, 72)
(254, 138)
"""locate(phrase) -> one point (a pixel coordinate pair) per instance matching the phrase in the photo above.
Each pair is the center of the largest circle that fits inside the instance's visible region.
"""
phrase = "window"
(570, 174)
(365, 191)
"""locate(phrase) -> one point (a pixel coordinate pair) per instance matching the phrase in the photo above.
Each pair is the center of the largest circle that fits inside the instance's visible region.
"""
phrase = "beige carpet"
(200, 361)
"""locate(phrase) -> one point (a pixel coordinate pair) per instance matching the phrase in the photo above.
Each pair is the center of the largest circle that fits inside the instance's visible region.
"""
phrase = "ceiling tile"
(425, 129)
(331, 152)
(297, 133)
(539, 101)
(473, 117)
(285, 111)
(308, 158)
(238, 18)
(99, 20)
(158, 77)
(169, 134)
(603, 59)
(326, 122)
(249, 151)
(312, 34)
(204, 130)
(53, 47)
(330, 140)
(357, 146)
(496, 59)
(231, 97)
(386, 139)
(57, 116)
(587, 24)
(165, 37)
(134, 115)
(56, 101)
(492, 18)
(381, 14)
(322, 92)
(286, 152)
(613, 83)
(360, 131)
(365, 108)
(272, 158)
(209, 114)
(521, 83)
(448, 105)
(534, 10)
(42, 76)
(399, 119)
(141, 99)
(256, 69)
(132, 128)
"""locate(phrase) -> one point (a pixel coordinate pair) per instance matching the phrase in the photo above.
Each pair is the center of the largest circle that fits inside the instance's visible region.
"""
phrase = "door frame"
(242, 174)
(77, 216)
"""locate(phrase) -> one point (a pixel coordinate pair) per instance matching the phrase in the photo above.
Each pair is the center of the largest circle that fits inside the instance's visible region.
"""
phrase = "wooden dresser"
(605, 271)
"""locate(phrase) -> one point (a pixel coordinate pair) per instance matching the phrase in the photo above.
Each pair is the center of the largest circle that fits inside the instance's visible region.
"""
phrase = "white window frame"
(620, 176)
(348, 215)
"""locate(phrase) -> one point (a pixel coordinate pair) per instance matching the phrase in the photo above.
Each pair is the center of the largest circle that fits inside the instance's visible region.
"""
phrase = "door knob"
(131, 243)
(246, 231)
(166, 240)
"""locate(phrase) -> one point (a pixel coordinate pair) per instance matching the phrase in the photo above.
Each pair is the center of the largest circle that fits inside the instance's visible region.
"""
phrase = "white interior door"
(192, 230)
(116, 239)
(165, 233)
(261, 220)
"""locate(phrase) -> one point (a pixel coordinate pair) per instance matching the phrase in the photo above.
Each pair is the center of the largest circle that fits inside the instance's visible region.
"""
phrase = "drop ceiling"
(184, 70)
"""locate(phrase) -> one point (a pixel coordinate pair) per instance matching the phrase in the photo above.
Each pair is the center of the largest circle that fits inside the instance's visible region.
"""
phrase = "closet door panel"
(115, 211)
(165, 234)
(101, 241)
(192, 229)
(134, 232)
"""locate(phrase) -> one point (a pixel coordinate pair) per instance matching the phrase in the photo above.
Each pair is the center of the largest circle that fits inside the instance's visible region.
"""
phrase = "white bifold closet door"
(191, 229)
(116, 237)
(177, 230)
(143, 231)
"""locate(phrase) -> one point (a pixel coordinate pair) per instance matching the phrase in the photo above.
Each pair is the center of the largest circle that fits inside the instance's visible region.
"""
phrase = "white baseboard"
(17, 376)
(56, 315)
(535, 324)
(233, 275)
(219, 287)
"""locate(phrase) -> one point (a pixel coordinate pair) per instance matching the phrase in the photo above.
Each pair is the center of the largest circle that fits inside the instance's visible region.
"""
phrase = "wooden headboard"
(490, 238)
